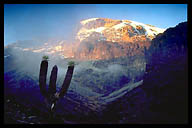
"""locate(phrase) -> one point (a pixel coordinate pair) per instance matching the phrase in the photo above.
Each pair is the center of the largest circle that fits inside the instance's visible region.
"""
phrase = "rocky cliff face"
(163, 96)
(166, 78)
(100, 50)
(102, 38)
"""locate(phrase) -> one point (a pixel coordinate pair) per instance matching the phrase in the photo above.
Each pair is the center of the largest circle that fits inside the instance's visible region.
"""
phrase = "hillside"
(163, 96)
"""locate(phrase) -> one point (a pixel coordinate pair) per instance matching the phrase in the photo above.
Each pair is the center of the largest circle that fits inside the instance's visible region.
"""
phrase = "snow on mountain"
(84, 33)
(119, 26)
(150, 30)
(116, 38)
(88, 20)
(109, 27)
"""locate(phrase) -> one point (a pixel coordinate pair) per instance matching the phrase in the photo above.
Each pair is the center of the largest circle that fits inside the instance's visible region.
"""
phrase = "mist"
(86, 74)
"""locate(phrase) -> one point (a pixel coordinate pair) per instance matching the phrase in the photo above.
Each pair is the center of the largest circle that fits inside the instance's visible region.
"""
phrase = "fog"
(87, 74)
(115, 68)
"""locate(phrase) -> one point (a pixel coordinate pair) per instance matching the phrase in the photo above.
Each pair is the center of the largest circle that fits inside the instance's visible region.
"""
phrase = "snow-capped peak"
(118, 26)
(111, 30)
(150, 30)
(88, 20)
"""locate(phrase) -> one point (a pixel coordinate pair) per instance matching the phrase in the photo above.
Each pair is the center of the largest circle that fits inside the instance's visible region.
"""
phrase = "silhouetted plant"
(52, 96)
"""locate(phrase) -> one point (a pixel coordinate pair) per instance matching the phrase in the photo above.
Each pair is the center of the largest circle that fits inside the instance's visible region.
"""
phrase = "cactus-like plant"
(51, 96)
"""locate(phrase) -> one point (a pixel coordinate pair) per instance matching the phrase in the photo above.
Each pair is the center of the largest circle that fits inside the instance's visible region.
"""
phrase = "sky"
(61, 21)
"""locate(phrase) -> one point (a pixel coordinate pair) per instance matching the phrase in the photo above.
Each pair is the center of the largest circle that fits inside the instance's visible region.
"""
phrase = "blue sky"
(44, 21)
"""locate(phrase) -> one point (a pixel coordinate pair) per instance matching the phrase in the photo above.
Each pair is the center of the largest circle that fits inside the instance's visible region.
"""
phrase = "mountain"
(98, 78)
(98, 39)
(130, 82)
(163, 95)
(102, 38)
(166, 78)
(98, 61)
(116, 30)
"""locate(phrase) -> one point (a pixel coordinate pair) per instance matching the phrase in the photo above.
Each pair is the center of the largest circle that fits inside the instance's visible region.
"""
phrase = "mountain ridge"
(120, 28)
(99, 39)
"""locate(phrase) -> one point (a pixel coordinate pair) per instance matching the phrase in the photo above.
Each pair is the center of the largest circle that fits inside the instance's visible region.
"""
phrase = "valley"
(118, 73)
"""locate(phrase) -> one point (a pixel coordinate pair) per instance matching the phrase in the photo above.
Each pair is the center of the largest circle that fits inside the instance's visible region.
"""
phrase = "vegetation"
(51, 95)
(71, 63)
(45, 58)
